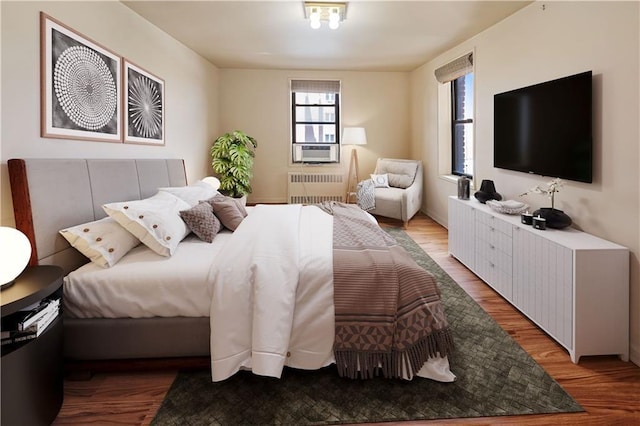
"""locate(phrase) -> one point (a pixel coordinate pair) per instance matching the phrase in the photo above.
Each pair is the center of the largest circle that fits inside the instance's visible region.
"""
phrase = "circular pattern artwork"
(145, 107)
(85, 87)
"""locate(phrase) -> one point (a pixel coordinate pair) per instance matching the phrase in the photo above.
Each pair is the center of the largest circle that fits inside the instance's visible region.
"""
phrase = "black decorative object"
(487, 192)
(526, 218)
(555, 218)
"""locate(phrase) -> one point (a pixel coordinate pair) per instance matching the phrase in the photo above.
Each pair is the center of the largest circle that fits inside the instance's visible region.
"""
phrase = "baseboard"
(253, 201)
(634, 354)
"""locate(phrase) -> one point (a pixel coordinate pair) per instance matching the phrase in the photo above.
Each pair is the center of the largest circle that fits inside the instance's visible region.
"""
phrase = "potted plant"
(232, 157)
(555, 218)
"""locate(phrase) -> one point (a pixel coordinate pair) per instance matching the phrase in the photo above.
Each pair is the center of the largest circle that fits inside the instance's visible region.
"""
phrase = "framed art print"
(80, 85)
(143, 106)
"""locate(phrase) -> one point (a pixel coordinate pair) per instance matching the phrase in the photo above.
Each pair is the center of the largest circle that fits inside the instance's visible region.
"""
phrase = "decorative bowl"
(508, 206)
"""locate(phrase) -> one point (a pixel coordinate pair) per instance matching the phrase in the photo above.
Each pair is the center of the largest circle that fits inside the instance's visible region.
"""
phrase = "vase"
(463, 187)
(487, 192)
(555, 218)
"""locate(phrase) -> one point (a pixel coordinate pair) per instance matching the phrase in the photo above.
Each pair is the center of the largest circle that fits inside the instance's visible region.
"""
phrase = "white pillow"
(380, 181)
(192, 194)
(155, 221)
(104, 241)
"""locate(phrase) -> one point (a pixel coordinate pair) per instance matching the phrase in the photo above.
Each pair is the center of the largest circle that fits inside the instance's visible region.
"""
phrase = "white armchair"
(403, 199)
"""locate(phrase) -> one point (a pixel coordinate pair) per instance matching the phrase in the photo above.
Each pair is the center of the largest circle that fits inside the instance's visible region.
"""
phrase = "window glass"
(311, 133)
(315, 114)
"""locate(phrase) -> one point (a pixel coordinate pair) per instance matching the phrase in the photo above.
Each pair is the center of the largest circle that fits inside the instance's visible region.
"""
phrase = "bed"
(106, 321)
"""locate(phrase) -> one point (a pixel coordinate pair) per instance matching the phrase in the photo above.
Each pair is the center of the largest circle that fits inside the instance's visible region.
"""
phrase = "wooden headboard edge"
(22, 204)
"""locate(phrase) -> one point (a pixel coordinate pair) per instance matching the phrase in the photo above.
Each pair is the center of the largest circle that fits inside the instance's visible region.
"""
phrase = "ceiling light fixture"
(333, 13)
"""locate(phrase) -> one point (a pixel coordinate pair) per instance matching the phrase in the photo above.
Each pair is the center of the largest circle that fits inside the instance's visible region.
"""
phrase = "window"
(455, 117)
(315, 120)
(462, 126)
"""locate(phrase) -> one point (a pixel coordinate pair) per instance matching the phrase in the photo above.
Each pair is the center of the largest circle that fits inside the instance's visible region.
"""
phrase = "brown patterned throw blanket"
(387, 308)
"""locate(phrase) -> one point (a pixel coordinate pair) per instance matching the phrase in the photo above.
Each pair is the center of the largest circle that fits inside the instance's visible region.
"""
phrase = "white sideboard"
(573, 285)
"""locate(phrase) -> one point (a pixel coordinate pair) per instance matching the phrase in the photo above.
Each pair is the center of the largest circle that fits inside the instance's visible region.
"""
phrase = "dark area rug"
(496, 377)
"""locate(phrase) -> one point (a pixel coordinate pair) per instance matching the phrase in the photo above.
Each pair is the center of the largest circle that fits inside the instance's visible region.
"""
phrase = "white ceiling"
(376, 35)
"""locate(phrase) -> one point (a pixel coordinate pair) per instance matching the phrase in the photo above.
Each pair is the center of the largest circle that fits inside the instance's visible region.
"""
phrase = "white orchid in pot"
(555, 218)
(550, 191)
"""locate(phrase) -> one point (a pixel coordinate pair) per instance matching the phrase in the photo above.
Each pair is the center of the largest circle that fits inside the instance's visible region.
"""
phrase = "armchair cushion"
(401, 173)
(389, 202)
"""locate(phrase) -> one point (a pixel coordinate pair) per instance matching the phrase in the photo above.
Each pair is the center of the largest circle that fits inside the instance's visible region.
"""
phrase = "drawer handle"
(492, 228)
(492, 265)
(492, 247)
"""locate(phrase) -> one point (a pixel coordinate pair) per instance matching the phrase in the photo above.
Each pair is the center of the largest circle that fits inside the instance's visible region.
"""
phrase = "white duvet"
(268, 288)
(272, 296)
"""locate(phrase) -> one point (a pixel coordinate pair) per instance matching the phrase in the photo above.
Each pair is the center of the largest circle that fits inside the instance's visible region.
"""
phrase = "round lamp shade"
(15, 251)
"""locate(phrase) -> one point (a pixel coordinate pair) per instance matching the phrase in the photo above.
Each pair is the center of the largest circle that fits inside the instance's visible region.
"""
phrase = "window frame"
(335, 122)
(455, 121)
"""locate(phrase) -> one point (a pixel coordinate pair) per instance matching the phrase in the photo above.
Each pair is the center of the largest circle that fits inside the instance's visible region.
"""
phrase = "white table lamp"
(15, 251)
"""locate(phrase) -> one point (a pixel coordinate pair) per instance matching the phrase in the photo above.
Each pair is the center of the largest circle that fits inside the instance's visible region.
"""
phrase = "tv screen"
(545, 129)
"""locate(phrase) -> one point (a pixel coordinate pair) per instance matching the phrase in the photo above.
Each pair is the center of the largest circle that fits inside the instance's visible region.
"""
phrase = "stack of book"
(30, 322)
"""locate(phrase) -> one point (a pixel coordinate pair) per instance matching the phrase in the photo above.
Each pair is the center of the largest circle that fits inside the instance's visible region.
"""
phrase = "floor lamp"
(353, 136)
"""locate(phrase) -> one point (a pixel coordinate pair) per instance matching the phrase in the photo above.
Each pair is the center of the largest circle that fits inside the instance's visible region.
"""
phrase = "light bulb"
(334, 19)
(314, 18)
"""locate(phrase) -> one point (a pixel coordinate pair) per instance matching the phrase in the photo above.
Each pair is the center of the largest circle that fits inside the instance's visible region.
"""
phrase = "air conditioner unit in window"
(316, 153)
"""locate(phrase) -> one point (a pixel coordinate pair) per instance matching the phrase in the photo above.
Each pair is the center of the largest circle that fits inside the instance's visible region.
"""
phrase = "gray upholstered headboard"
(53, 194)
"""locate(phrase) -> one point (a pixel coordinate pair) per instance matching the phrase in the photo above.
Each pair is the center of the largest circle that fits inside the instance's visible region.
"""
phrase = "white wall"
(258, 102)
(190, 87)
(532, 46)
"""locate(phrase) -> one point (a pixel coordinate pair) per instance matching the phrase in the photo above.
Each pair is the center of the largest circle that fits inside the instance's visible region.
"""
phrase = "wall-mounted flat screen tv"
(545, 129)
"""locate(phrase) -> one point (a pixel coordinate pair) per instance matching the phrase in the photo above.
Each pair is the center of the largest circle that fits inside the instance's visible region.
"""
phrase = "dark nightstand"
(32, 371)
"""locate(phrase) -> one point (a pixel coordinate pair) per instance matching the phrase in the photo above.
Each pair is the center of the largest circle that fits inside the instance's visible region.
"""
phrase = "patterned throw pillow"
(229, 210)
(380, 181)
(202, 222)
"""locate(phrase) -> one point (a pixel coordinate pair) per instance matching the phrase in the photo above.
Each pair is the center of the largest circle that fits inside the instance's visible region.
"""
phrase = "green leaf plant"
(232, 156)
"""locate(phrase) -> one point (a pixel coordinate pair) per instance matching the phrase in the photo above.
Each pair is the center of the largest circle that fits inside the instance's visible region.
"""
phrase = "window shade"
(315, 86)
(454, 69)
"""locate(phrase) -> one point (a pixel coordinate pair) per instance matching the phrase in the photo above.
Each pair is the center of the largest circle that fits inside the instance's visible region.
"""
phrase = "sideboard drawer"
(494, 238)
(494, 222)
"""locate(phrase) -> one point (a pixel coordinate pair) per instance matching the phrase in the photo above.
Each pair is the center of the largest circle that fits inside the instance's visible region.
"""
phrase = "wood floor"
(607, 388)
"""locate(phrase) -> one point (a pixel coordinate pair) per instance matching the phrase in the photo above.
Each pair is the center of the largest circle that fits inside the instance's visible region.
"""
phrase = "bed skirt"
(128, 338)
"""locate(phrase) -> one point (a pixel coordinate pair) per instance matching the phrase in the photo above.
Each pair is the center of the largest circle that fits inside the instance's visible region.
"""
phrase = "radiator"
(311, 188)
